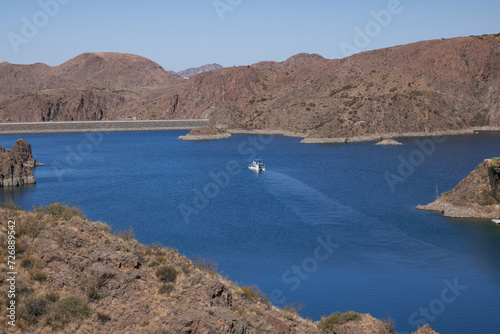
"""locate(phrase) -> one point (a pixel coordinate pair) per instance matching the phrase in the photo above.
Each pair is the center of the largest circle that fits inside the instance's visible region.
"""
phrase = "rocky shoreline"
(205, 133)
(471, 198)
(454, 211)
(358, 139)
(203, 138)
(389, 142)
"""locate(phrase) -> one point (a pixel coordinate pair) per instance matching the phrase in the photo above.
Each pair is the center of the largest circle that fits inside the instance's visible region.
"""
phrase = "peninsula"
(476, 196)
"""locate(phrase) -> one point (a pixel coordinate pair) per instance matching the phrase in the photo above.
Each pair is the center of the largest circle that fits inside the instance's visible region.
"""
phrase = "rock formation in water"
(389, 142)
(205, 133)
(16, 165)
(473, 197)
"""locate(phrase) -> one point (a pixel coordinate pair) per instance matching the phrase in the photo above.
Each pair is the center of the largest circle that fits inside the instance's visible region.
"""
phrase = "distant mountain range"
(186, 74)
(422, 87)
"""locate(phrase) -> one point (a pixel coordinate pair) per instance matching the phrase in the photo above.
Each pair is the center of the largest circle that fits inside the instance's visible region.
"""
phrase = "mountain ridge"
(428, 86)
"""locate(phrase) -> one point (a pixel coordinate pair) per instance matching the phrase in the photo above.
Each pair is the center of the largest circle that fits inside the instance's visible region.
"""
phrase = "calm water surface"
(322, 226)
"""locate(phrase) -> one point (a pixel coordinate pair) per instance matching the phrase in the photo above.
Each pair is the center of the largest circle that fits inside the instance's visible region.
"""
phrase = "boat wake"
(311, 205)
(360, 230)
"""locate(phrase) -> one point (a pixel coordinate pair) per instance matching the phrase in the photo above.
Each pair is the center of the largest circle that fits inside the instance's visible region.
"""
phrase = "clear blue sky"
(186, 33)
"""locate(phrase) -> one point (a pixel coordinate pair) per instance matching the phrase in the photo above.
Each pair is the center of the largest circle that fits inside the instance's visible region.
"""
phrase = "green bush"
(70, 309)
(337, 318)
(166, 274)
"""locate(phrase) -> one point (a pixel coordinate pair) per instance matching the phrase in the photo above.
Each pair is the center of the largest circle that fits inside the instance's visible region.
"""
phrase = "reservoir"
(331, 227)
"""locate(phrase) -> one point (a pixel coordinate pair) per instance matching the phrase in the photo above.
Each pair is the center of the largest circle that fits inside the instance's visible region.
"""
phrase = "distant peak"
(302, 58)
(197, 70)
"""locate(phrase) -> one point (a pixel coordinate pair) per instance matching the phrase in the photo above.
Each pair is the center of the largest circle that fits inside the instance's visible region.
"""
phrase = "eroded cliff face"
(16, 165)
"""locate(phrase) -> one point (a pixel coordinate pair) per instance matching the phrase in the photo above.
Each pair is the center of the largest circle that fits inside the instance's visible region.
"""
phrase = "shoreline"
(100, 126)
(456, 211)
(205, 137)
(378, 137)
(367, 138)
(188, 124)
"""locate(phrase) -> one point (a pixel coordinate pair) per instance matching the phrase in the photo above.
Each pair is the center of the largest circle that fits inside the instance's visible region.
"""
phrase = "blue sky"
(186, 33)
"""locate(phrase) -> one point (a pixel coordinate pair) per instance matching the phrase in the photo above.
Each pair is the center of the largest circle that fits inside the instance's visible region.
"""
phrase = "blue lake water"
(333, 227)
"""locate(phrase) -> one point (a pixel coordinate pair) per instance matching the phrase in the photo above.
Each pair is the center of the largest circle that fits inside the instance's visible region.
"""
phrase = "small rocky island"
(16, 165)
(477, 196)
(205, 133)
(389, 142)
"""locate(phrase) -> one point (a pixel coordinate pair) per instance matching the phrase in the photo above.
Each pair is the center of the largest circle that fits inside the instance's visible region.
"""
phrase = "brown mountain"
(92, 86)
(422, 87)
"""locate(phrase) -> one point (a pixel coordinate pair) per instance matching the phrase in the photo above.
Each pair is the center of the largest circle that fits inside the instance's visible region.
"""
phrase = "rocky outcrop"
(16, 165)
(388, 142)
(425, 330)
(471, 198)
(205, 133)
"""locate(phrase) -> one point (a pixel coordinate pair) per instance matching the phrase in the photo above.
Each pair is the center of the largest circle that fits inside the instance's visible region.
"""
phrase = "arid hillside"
(75, 276)
(429, 86)
(92, 86)
(473, 197)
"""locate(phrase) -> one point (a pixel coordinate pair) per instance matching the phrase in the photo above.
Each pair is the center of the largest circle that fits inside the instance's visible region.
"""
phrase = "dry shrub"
(69, 309)
(60, 210)
(166, 274)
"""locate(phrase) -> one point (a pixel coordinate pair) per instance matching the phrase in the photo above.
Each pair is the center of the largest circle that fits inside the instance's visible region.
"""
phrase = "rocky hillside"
(16, 164)
(186, 74)
(472, 197)
(92, 86)
(74, 275)
(447, 84)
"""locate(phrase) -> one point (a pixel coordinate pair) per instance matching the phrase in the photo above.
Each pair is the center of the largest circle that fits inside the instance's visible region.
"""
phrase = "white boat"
(257, 165)
(496, 221)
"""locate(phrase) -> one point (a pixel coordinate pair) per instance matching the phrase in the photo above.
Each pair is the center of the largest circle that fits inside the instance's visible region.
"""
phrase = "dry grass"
(60, 210)
(327, 324)
(206, 265)
(291, 311)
